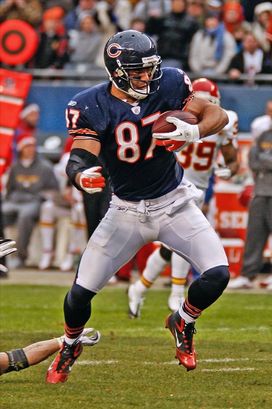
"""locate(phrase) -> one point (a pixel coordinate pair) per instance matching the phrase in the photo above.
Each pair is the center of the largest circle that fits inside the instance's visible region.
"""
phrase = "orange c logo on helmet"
(114, 50)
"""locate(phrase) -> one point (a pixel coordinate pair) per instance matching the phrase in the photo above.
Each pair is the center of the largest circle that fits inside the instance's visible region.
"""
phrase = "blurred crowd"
(205, 37)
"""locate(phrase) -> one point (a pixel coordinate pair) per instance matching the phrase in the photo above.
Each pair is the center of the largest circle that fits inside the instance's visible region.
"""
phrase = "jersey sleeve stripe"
(84, 138)
(82, 131)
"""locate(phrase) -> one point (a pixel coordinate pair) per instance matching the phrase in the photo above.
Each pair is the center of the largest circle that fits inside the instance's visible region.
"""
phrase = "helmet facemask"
(123, 79)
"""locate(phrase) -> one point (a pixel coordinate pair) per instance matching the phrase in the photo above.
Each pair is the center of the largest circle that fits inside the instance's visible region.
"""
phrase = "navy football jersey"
(138, 169)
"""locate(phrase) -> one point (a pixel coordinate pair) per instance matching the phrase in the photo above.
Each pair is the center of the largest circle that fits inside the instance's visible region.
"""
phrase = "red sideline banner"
(14, 88)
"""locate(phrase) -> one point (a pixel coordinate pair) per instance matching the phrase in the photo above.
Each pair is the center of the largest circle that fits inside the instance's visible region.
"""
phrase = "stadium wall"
(248, 102)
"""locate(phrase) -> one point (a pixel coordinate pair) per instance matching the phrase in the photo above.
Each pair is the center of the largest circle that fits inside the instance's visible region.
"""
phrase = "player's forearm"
(4, 362)
(233, 166)
(230, 154)
(19, 359)
(84, 154)
(213, 120)
(39, 351)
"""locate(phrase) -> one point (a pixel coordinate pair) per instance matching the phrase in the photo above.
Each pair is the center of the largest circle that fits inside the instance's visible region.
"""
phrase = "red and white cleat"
(183, 334)
(61, 366)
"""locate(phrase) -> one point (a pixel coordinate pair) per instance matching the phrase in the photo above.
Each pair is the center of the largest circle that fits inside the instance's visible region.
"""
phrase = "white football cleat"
(240, 283)
(68, 263)
(90, 337)
(135, 302)
(46, 261)
(174, 301)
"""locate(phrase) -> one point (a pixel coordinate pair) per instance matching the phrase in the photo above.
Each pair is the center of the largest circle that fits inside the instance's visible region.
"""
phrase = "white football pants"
(173, 219)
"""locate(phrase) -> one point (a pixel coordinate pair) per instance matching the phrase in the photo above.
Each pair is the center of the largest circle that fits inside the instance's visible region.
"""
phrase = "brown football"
(162, 126)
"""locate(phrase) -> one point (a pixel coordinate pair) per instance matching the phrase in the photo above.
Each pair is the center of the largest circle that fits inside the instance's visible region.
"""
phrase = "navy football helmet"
(132, 50)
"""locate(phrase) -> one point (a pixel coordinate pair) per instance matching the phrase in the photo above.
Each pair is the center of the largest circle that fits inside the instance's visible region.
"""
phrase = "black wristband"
(17, 360)
(80, 160)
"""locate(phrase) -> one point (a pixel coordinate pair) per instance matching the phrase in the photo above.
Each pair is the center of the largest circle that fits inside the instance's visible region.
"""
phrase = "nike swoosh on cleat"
(178, 343)
(180, 327)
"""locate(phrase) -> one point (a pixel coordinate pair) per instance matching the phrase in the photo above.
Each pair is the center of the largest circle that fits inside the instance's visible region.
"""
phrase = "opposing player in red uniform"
(111, 124)
(198, 162)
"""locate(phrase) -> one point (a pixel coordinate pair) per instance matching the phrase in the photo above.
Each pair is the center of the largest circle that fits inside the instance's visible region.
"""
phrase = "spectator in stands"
(138, 24)
(26, 10)
(174, 32)
(84, 44)
(249, 6)
(145, 9)
(211, 48)
(107, 22)
(195, 9)
(260, 211)
(65, 203)
(262, 123)
(122, 10)
(53, 47)
(67, 5)
(28, 122)
(239, 33)
(30, 181)
(71, 20)
(261, 25)
(250, 60)
(233, 16)
(214, 6)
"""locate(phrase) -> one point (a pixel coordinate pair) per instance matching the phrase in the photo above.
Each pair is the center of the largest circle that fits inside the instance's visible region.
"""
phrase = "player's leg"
(77, 236)
(112, 244)
(180, 269)
(190, 235)
(27, 218)
(154, 266)
(47, 230)
(179, 272)
(259, 229)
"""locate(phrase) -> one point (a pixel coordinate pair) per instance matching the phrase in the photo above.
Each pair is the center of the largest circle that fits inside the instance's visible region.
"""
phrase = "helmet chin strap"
(131, 92)
(137, 94)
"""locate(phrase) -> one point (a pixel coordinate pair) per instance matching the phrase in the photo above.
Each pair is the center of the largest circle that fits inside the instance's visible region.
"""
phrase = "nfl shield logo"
(136, 110)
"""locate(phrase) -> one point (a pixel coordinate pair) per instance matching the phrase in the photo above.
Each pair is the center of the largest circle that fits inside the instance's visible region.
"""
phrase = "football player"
(198, 162)
(111, 124)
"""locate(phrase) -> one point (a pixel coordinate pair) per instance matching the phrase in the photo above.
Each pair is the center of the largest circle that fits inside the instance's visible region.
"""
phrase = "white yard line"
(229, 370)
(175, 362)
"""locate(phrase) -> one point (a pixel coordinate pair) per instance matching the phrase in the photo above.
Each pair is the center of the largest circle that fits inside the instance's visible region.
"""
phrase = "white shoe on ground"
(135, 302)
(45, 261)
(174, 301)
(239, 283)
(67, 263)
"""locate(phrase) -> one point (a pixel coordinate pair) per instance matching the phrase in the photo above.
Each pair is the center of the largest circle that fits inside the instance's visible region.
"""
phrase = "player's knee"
(165, 253)
(218, 276)
(79, 297)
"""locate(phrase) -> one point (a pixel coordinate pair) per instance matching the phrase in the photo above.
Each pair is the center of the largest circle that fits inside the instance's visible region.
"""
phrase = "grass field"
(133, 366)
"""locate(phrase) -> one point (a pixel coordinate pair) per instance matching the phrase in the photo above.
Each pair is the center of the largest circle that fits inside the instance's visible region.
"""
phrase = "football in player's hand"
(162, 126)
